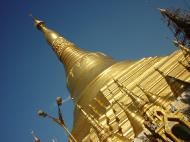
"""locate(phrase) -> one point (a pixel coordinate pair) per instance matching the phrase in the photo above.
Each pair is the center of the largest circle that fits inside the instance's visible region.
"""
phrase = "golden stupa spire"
(81, 66)
(64, 49)
(137, 101)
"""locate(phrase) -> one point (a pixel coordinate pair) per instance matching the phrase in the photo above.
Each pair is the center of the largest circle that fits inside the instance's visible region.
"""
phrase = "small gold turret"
(135, 119)
(137, 101)
(153, 98)
(176, 85)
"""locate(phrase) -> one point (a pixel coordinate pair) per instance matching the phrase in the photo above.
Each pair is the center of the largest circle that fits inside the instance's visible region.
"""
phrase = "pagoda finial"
(138, 102)
(50, 35)
(36, 21)
(162, 10)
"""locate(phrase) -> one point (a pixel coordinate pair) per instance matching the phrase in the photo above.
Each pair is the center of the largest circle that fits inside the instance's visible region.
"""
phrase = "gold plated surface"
(120, 99)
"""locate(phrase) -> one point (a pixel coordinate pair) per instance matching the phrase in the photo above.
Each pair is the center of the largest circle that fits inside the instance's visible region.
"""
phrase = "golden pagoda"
(121, 101)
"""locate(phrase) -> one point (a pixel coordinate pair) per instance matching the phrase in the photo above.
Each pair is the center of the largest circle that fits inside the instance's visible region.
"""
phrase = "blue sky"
(31, 76)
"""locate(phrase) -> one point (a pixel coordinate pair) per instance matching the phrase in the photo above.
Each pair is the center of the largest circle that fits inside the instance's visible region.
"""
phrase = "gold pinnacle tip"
(162, 10)
(36, 21)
